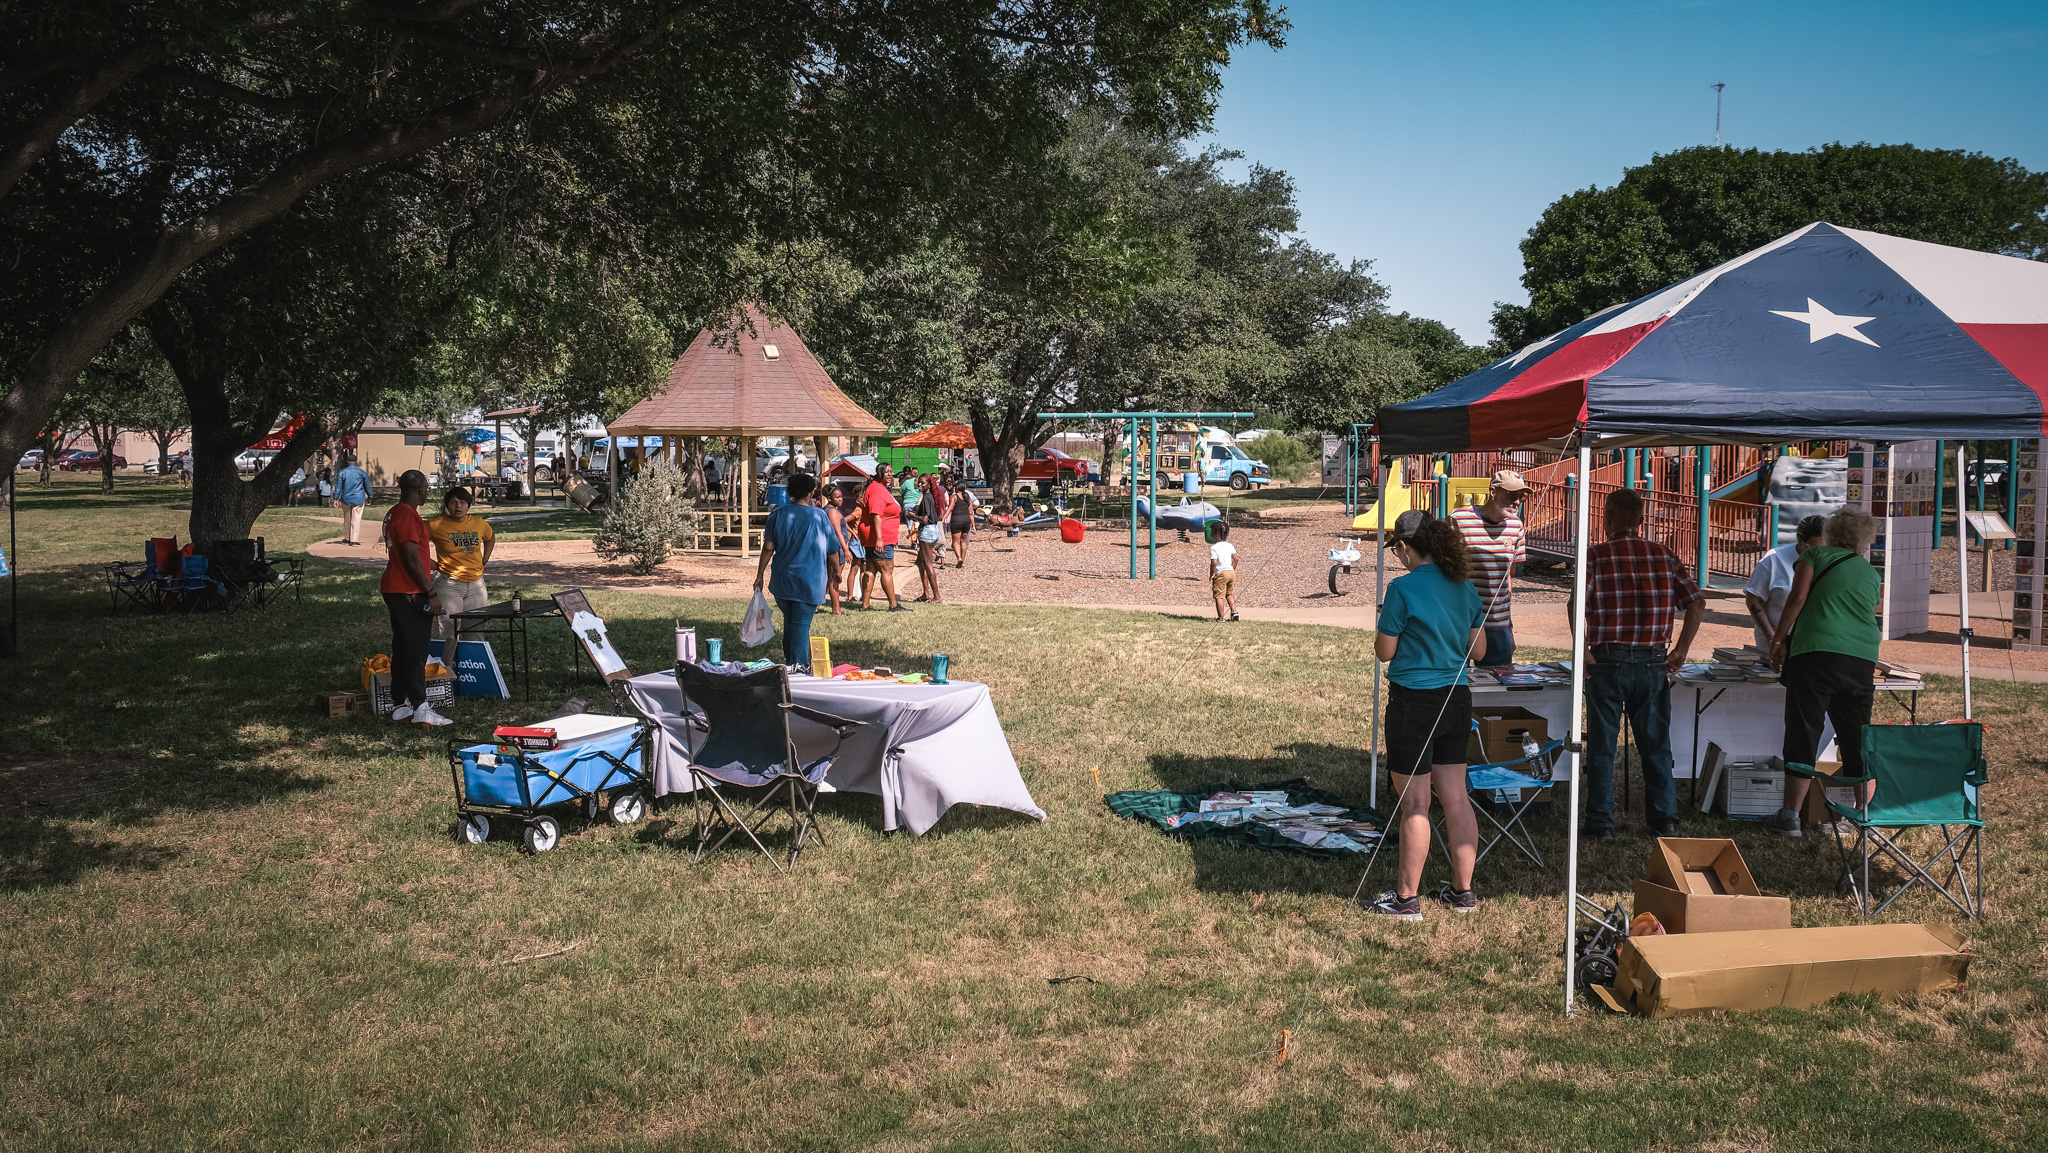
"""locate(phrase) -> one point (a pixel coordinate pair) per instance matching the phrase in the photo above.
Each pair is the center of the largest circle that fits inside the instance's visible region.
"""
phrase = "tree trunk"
(693, 467)
(999, 437)
(104, 437)
(163, 439)
(224, 506)
(1109, 443)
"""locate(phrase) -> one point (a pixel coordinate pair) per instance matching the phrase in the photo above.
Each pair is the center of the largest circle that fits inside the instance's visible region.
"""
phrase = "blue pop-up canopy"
(1826, 334)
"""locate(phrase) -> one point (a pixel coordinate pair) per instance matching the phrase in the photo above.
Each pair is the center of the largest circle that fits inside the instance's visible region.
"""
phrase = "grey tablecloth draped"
(924, 749)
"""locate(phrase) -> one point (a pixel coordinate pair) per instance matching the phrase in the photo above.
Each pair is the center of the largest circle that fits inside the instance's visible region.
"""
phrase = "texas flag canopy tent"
(1828, 333)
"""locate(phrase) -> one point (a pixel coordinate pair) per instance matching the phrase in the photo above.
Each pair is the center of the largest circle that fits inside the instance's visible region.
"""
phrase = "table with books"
(1738, 704)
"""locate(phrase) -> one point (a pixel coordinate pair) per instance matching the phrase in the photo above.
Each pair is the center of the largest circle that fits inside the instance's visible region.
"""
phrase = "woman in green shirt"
(1825, 651)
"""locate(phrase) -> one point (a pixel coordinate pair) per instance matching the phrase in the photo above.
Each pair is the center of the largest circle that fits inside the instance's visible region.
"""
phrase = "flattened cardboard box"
(1702, 885)
(1715, 972)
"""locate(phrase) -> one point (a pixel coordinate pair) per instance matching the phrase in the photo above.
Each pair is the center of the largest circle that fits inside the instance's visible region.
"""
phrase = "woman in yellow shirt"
(462, 547)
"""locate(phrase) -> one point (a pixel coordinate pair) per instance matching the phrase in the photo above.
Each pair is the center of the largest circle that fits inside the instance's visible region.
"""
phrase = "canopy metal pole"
(1700, 489)
(1963, 587)
(2012, 488)
(1940, 490)
(1577, 746)
(1379, 594)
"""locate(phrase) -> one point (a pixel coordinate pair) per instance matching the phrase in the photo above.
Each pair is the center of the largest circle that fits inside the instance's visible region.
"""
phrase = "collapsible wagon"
(600, 763)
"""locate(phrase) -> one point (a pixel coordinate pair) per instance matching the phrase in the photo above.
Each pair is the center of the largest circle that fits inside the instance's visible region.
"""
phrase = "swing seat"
(1071, 530)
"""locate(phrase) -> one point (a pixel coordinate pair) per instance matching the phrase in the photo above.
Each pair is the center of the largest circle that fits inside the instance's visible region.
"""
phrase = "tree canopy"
(1687, 211)
(138, 140)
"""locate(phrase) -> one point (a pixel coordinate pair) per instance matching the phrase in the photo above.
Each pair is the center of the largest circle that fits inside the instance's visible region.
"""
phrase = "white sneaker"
(425, 717)
(401, 715)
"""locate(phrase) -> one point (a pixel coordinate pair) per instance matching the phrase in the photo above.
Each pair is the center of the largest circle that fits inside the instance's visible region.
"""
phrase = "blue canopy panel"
(1826, 333)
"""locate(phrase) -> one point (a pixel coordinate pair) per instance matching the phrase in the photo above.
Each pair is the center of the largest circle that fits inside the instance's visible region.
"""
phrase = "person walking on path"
(797, 548)
(1634, 588)
(1770, 583)
(351, 494)
(881, 519)
(1825, 649)
(462, 547)
(1494, 544)
(931, 516)
(960, 518)
(406, 597)
(1223, 572)
(1430, 626)
(906, 494)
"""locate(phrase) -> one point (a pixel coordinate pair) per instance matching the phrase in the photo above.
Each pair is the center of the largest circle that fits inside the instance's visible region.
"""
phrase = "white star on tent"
(1822, 324)
(1518, 358)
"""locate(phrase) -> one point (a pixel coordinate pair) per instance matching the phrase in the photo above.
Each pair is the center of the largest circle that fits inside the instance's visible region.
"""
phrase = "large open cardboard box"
(1759, 969)
(1702, 885)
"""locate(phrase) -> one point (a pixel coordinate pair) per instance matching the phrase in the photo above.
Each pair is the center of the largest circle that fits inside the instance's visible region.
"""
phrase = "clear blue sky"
(1428, 137)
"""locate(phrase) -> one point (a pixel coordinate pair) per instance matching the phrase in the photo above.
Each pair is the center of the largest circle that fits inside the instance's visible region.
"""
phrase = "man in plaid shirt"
(1634, 590)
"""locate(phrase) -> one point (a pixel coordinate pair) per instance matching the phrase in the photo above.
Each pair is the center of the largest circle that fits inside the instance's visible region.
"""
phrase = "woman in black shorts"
(1430, 627)
(959, 517)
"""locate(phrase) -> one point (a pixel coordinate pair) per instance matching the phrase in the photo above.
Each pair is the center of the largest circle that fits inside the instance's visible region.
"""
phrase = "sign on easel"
(590, 632)
(476, 669)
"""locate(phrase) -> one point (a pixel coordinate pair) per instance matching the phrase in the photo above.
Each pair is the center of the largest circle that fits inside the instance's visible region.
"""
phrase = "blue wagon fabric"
(1827, 333)
(581, 766)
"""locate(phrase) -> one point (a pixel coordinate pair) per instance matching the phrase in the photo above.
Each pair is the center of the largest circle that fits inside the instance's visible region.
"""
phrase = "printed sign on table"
(476, 669)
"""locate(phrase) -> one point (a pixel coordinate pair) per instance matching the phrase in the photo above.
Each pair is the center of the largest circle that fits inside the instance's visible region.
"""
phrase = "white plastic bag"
(758, 625)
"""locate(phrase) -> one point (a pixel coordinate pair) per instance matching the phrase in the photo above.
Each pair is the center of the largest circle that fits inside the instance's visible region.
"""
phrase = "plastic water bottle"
(1534, 752)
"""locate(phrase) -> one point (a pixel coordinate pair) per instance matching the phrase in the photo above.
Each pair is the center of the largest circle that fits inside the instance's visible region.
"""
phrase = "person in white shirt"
(1771, 582)
(1223, 571)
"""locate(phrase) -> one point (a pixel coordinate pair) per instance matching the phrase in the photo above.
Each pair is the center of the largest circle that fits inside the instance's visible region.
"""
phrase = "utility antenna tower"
(1717, 111)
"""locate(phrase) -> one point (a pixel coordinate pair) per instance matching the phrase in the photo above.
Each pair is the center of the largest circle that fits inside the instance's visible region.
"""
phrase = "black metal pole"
(7, 639)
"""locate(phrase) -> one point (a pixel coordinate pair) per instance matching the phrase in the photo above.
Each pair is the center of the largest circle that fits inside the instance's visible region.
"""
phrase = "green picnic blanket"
(1157, 805)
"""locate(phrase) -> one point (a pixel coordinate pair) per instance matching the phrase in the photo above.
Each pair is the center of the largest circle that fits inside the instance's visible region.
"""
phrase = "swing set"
(1150, 422)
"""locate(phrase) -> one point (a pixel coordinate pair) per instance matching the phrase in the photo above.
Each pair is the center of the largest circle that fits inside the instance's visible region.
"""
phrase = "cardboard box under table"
(1702, 885)
(598, 755)
(1796, 968)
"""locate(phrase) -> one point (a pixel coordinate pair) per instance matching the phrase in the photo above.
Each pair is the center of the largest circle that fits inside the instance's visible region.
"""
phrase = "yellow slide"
(1400, 498)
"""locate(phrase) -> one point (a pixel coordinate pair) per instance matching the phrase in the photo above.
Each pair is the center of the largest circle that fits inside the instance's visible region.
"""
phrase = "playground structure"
(1149, 422)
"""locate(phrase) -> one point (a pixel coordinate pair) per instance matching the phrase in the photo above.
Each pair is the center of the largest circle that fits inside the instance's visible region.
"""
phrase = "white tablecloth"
(924, 749)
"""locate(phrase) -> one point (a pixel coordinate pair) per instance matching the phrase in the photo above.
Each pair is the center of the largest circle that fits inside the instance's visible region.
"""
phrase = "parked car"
(252, 460)
(87, 461)
(31, 459)
(1251, 434)
(1050, 466)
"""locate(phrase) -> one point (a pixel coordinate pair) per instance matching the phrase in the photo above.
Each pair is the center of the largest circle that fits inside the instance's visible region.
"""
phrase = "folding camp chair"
(250, 576)
(1506, 816)
(195, 587)
(747, 743)
(1927, 777)
(141, 586)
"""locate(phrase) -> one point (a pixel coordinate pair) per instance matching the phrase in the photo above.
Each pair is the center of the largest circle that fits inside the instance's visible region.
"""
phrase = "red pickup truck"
(1050, 466)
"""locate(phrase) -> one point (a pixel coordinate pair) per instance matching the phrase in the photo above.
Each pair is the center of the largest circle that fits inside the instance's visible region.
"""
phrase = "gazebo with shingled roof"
(755, 378)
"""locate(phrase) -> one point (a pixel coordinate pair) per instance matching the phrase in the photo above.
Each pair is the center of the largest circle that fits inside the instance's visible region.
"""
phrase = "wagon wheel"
(473, 829)
(628, 807)
(542, 834)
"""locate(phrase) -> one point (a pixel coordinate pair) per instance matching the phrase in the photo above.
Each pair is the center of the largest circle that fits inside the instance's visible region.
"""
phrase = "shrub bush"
(1288, 458)
(651, 516)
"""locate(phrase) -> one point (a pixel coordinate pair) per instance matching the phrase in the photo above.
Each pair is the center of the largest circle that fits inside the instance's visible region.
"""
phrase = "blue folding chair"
(1927, 778)
(1506, 816)
(195, 586)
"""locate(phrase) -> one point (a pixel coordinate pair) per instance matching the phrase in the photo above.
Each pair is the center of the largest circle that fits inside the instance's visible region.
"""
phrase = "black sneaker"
(1460, 900)
(1667, 828)
(1387, 904)
(1777, 824)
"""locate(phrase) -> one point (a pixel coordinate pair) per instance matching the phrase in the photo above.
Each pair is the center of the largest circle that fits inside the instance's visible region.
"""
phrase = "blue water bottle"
(939, 662)
(714, 650)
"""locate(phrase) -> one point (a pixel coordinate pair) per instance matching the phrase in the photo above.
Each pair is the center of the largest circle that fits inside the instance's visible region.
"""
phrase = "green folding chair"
(1927, 778)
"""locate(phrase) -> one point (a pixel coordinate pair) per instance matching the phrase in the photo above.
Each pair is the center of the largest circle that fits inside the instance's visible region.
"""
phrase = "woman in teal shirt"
(1430, 627)
(1825, 651)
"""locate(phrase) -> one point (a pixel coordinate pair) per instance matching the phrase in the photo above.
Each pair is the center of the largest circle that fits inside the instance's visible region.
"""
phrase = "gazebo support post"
(746, 500)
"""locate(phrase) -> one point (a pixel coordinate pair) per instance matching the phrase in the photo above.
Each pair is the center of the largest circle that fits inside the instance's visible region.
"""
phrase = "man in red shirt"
(880, 523)
(1634, 589)
(408, 595)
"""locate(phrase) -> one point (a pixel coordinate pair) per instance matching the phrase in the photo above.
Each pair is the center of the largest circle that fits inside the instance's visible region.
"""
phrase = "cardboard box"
(1796, 968)
(335, 704)
(1491, 744)
(1816, 812)
(440, 692)
(1702, 885)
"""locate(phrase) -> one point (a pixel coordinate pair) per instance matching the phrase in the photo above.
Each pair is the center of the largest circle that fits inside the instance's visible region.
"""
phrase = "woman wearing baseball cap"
(1430, 626)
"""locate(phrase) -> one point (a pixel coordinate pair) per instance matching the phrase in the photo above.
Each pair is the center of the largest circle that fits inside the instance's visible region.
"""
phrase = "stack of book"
(1893, 673)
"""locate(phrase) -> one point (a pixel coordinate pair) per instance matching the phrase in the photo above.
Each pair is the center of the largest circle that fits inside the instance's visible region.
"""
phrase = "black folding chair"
(140, 585)
(747, 744)
(251, 577)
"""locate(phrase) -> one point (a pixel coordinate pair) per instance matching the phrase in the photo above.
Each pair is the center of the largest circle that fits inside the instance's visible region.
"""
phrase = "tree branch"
(39, 136)
(215, 86)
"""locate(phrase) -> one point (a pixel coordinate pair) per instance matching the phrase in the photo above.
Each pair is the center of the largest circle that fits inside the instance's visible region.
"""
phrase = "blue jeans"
(1500, 648)
(796, 632)
(1631, 678)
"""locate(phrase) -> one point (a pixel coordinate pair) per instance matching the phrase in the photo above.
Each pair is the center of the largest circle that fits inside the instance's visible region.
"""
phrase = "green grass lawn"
(226, 921)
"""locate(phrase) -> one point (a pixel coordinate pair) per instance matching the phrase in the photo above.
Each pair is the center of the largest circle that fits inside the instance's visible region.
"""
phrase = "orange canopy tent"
(945, 434)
